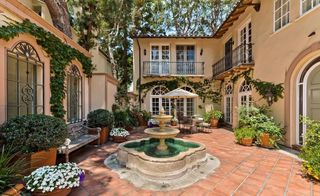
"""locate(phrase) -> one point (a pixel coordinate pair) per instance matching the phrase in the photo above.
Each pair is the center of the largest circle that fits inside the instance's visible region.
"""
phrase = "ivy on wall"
(203, 88)
(60, 54)
(263, 88)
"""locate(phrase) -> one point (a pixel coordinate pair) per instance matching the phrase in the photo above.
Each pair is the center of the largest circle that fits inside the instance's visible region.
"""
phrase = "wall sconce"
(201, 52)
(145, 52)
(269, 97)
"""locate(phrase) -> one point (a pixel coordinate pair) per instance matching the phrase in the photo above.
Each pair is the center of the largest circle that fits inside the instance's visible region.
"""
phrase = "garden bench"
(79, 136)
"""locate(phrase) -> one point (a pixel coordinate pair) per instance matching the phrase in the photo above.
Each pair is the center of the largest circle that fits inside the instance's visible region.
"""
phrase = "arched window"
(157, 101)
(74, 95)
(25, 78)
(185, 106)
(228, 104)
(245, 97)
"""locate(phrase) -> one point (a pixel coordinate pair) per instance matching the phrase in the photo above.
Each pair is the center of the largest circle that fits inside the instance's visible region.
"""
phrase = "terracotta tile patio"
(243, 171)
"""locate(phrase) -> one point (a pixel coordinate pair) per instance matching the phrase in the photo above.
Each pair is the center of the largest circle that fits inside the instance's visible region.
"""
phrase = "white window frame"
(160, 55)
(230, 96)
(310, 10)
(274, 15)
(160, 100)
(247, 93)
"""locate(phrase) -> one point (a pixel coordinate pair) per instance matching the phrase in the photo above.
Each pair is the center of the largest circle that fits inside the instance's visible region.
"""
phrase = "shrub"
(100, 118)
(33, 133)
(11, 168)
(311, 148)
(212, 114)
(244, 132)
(119, 132)
(146, 115)
(122, 119)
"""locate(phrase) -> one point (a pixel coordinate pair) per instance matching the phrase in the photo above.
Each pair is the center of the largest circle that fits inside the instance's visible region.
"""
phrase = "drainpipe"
(139, 74)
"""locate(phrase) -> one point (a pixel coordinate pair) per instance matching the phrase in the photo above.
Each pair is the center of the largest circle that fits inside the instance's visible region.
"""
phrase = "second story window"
(185, 55)
(309, 4)
(281, 13)
(160, 57)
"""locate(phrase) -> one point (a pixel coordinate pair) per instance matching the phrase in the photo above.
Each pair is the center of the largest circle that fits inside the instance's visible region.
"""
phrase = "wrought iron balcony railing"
(167, 68)
(242, 55)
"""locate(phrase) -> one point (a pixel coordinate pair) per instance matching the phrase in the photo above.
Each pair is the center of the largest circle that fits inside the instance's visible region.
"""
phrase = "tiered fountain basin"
(143, 157)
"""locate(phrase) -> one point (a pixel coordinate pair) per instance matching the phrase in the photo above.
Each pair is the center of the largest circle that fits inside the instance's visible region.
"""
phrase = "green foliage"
(262, 87)
(33, 133)
(146, 115)
(212, 114)
(261, 122)
(311, 148)
(123, 119)
(100, 118)
(204, 88)
(11, 168)
(60, 54)
(244, 132)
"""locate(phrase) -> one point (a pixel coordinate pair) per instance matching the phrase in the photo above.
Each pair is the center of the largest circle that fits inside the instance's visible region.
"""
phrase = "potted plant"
(36, 136)
(11, 171)
(123, 119)
(244, 135)
(146, 116)
(119, 135)
(55, 180)
(213, 117)
(268, 134)
(101, 118)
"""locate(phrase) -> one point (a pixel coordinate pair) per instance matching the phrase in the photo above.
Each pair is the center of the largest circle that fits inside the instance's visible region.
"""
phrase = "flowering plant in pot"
(54, 180)
(245, 135)
(213, 117)
(119, 134)
(101, 118)
(36, 136)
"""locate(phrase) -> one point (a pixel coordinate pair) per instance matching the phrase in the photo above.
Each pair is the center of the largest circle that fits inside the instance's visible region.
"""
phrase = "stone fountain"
(162, 132)
(162, 162)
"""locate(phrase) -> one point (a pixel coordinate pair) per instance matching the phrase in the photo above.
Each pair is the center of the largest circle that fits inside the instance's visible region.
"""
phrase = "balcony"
(167, 68)
(240, 58)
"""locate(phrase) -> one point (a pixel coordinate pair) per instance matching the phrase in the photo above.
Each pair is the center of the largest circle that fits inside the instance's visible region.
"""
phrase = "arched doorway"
(308, 97)
(245, 94)
(157, 102)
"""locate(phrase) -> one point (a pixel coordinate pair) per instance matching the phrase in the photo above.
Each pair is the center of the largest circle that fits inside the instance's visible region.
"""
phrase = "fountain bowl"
(164, 167)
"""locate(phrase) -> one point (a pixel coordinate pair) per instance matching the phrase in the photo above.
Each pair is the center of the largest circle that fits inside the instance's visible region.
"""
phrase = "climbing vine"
(203, 88)
(60, 54)
(264, 88)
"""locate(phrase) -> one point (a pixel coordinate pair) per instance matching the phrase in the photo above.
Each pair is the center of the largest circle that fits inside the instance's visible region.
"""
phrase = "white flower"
(119, 132)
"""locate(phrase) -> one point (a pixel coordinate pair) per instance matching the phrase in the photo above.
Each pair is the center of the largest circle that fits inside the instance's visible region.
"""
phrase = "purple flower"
(82, 175)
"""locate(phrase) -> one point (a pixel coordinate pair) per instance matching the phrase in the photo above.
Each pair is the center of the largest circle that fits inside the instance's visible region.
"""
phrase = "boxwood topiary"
(33, 133)
(100, 118)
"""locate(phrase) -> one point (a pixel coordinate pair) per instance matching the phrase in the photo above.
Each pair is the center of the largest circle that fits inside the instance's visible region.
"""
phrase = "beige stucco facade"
(37, 12)
(103, 83)
(279, 56)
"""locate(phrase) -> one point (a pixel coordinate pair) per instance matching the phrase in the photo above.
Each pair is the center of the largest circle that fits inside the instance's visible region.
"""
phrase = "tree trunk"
(60, 17)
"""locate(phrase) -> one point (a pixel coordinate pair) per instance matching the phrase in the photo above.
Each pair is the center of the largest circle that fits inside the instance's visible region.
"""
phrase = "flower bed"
(49, 178)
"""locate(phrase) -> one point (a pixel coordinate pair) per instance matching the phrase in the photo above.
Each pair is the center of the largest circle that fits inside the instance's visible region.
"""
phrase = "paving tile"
(243, 171)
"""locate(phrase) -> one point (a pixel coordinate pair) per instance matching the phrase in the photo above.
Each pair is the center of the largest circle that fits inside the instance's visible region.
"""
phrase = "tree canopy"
(111, 23)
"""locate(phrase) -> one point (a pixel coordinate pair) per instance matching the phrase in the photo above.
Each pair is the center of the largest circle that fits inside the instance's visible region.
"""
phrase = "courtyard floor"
(243, 171)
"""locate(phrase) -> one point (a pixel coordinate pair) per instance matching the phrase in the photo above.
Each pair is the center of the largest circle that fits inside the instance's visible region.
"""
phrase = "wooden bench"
(79, 136)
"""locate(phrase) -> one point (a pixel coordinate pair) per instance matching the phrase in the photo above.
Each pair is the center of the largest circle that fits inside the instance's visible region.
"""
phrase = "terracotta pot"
(104, 135)
(174, 123)
(119, 139)
(14, 191)
(55, 192)
(246, 141)
(214, 123)
(43, 158)
(265, 140)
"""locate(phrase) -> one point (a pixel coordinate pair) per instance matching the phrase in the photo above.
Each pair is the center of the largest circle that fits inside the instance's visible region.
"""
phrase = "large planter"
(104, 135)
(119, 139)
(43, 158)
(55, 192)
(265, 140)
(14, 191)
(214, 123)
(246, 141)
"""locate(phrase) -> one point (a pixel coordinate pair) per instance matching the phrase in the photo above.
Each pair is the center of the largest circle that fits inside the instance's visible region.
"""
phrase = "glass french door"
(245, 43)
(185, 59)
(160, 57)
